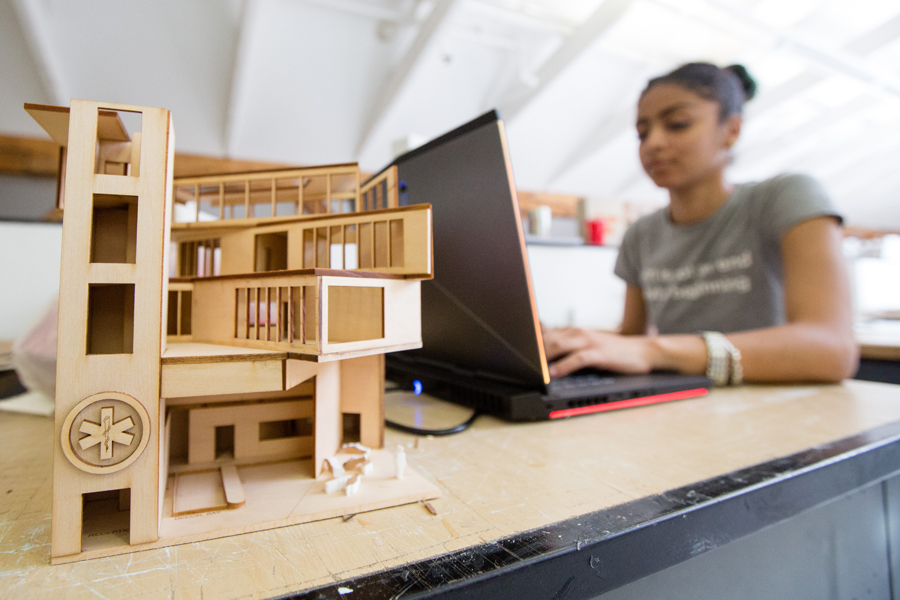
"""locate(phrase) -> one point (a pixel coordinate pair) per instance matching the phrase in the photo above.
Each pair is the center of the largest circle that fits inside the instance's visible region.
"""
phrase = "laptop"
(482, 342)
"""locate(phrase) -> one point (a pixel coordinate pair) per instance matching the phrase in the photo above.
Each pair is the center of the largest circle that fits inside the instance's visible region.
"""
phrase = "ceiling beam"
(875, 39)
(508, 14)
(34, 24)
(29, 156)
(623, 121)
(863, 45)
(609, 12)
(867, 180)
(797, 141)
(783, 92)
(429, 31)
(843, 155)
(236, 98)
(521, 19)
(843, 63)
(844, 159)
(363, 8)
(39, 157)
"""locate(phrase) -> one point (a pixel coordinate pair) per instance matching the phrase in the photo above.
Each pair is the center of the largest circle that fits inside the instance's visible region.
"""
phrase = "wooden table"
(879, 339)
(879, 345)
(536, 494)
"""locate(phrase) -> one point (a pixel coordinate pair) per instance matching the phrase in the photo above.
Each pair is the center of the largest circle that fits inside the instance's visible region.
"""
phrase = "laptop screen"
(478, 313)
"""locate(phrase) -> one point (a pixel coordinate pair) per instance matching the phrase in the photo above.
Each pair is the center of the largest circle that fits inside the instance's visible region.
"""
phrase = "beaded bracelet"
(723, 363)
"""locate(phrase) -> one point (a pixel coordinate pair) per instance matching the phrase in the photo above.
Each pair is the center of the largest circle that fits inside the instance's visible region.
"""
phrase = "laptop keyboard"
(574, 382)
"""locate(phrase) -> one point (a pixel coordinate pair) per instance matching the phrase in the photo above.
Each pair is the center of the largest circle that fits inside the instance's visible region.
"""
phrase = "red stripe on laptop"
(586, 410)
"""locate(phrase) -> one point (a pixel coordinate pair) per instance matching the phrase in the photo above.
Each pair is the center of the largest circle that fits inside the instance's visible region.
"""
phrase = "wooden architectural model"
(221, 339)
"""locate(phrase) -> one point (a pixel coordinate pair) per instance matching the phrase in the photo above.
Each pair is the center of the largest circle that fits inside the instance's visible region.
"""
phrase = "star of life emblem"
(106, 433)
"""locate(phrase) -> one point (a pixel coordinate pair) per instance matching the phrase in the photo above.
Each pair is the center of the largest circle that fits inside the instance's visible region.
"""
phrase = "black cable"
(416, 431)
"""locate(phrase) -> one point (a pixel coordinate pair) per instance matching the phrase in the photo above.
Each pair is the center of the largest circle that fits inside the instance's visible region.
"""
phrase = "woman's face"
(682, 140)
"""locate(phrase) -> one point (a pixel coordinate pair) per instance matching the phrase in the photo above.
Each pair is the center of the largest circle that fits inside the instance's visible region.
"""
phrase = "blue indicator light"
(417, 387)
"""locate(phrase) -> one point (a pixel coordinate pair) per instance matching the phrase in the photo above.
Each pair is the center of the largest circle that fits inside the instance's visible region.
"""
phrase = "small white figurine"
(336, 484)
(337, 468)
(356, 448)
(399, 462)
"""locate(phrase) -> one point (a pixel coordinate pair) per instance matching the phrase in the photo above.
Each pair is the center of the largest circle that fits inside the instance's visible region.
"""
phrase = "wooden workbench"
(500, 481)
(879, 339)
(879, 350)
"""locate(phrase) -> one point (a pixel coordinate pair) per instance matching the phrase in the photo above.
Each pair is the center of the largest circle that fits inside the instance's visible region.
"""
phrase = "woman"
(759, 262)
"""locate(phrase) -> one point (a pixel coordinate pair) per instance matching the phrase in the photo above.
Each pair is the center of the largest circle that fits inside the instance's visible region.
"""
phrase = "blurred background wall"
(258, 82)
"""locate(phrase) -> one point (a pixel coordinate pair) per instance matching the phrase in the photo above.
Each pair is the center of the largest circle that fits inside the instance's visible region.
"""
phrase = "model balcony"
(395, 241)
(312, 313)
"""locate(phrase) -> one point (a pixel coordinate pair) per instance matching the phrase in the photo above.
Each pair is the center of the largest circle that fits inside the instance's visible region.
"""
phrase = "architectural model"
(221, 339)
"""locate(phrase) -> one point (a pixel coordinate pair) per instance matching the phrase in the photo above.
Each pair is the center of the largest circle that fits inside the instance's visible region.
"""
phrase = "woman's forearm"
(793, 352)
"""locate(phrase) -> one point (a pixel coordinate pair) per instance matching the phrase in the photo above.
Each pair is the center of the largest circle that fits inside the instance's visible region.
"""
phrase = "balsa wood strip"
(236, 224)
(211, 378)
(234, 491)
(198, 492)
(263, 175)
(196, 352)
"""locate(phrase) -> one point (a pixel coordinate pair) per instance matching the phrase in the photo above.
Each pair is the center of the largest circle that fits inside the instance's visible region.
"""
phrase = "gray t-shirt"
(723, 273)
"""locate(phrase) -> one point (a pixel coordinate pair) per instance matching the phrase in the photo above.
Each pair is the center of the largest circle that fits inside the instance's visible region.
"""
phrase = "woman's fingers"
(612, 352)
(569, 364)
(559, 342)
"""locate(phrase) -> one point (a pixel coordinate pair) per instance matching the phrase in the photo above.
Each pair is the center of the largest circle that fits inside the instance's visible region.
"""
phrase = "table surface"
(498, 479)
(879, 339)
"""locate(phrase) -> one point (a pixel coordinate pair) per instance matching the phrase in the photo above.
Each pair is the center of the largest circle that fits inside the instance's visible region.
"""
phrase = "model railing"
(178, 322)
(331, 189)
(396, 241)
(380, 191)
(199, 258)
(276, 314)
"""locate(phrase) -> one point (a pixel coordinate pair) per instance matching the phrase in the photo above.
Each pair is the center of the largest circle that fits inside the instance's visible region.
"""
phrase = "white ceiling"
(321, 81)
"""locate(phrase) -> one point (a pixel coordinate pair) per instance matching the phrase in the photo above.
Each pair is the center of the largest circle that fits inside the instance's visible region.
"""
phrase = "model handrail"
(283, 193)
(380, 191)
(394, 241)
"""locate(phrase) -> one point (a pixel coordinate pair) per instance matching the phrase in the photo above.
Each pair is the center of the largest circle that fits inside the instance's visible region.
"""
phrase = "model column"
(106, 481)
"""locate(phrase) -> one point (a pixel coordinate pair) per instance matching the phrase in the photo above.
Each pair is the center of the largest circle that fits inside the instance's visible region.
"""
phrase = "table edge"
(588, 555)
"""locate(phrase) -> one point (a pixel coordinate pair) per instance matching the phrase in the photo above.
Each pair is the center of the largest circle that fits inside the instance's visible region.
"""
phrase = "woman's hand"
(574, 349)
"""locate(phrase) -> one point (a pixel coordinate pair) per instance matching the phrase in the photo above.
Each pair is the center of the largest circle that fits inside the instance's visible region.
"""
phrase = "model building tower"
(118, 197)
(221, 338)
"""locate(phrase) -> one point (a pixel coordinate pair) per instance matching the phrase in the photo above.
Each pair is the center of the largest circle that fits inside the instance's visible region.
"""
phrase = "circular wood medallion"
(105, 432)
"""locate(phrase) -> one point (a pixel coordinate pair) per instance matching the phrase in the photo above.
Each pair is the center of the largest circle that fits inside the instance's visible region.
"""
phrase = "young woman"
(760, 262)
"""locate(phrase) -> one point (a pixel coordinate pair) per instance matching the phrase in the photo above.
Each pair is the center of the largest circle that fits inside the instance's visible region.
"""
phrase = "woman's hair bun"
(747, 82)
